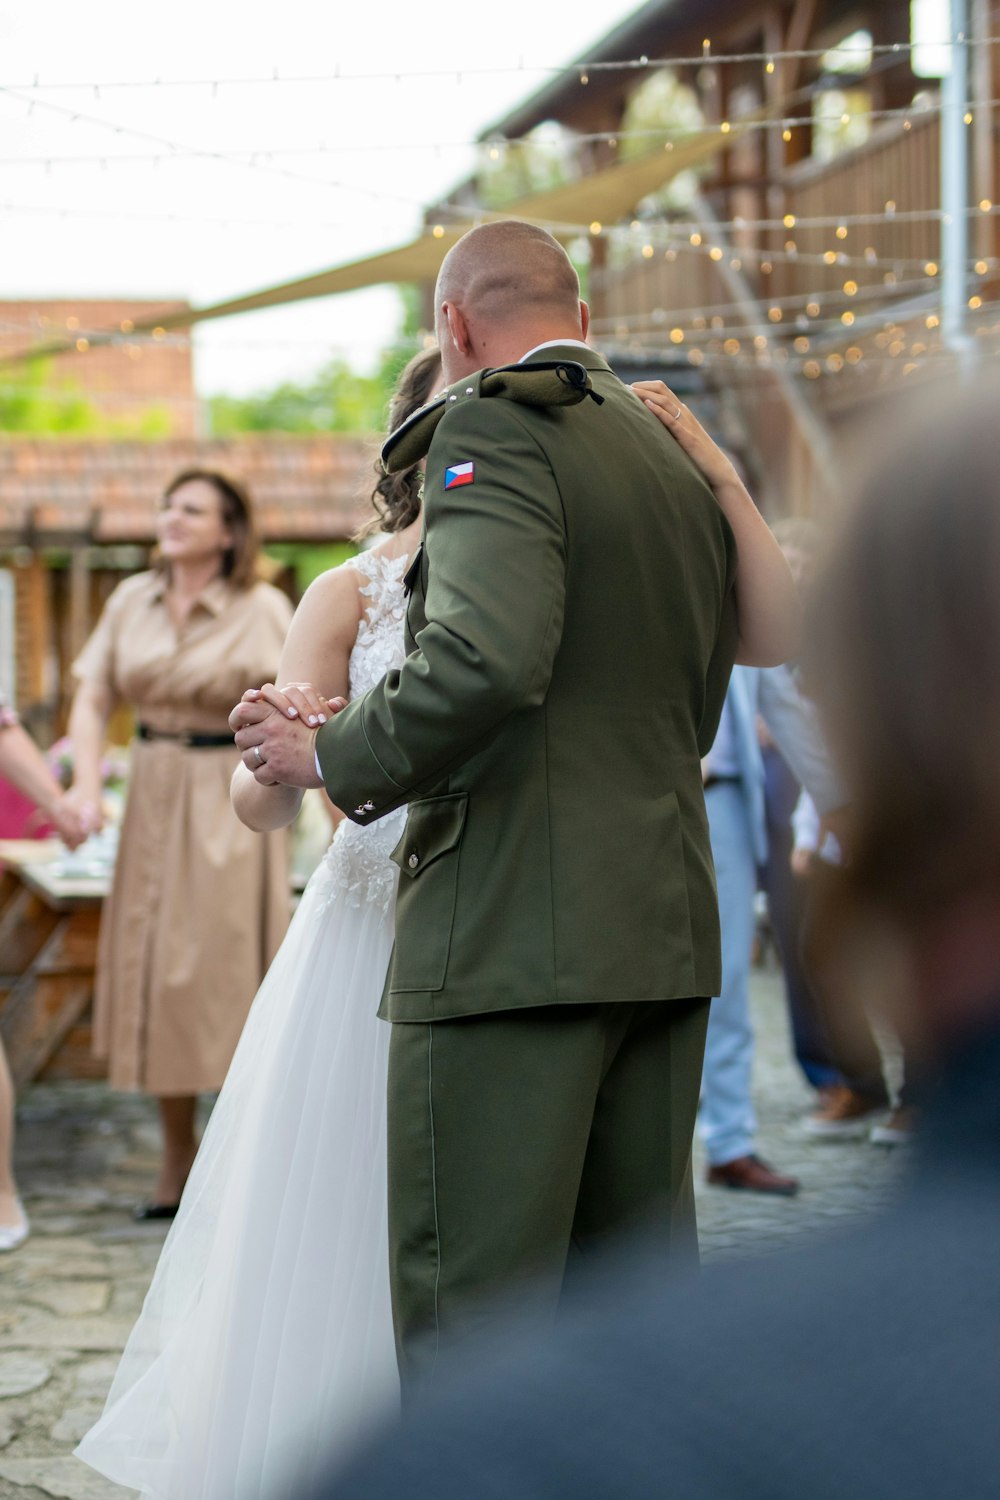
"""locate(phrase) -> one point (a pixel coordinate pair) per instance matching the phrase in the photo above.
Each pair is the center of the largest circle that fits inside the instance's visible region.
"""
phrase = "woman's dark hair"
(239, 561)
(396, 497)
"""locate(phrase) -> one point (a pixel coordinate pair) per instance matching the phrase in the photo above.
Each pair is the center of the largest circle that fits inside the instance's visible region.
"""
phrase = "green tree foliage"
(508, 170)
(662, 108)
(36, 403)
(335, 400)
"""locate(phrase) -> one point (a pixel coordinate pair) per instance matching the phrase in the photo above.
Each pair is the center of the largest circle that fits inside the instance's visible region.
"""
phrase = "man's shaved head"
(502, 289)
(506, 269)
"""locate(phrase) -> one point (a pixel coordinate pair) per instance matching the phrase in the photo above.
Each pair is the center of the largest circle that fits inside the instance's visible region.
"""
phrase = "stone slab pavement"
(69, 1296)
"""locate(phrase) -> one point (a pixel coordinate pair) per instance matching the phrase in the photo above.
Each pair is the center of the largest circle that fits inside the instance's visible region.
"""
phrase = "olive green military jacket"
(572, 629)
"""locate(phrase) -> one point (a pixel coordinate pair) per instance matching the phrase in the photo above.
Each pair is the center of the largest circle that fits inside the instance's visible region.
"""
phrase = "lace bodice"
(379, 646)
(356, 866)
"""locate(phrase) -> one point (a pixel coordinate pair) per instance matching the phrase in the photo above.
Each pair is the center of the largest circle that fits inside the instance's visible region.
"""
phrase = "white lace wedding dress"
(265, 1342)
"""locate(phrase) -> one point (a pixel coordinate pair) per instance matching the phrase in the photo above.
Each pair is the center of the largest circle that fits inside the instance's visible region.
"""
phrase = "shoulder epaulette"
(560, 383)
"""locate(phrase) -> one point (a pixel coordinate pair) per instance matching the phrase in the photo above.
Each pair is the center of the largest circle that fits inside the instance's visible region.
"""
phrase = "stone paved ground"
(69, 1296)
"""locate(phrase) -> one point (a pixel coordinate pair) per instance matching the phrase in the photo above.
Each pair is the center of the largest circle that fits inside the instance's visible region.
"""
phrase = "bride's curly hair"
(397, 497)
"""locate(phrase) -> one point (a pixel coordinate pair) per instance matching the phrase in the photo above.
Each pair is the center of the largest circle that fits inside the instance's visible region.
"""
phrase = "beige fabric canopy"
(606, 196)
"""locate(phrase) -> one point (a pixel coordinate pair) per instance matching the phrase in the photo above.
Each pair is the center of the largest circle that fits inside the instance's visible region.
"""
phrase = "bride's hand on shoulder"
(682, 424)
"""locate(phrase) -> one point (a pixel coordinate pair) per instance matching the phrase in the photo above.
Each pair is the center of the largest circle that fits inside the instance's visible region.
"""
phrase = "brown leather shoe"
(751, 1175)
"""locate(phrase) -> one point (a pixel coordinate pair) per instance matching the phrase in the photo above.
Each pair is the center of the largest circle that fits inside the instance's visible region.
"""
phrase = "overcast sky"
(85, 210)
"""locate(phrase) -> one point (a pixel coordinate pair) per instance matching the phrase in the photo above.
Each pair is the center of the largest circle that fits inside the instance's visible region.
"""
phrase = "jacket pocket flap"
(432, 828)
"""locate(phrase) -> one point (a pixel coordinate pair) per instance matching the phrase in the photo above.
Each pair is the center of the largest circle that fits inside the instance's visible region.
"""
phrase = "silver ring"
(678, 412)
(257, 756)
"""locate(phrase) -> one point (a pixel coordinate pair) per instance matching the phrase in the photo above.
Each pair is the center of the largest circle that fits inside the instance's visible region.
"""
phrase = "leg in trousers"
(727, 1122)
(490, 1121)
(638, 1169)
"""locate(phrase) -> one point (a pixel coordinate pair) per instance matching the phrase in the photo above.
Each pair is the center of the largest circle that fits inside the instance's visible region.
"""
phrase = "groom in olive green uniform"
(572, 627)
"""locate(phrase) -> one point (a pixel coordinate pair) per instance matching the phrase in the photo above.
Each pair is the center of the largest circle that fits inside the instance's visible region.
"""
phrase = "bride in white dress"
(265, 1342)
(265, 1348)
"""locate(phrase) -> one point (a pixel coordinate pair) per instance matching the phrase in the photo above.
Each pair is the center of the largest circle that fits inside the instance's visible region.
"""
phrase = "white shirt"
(555, 344)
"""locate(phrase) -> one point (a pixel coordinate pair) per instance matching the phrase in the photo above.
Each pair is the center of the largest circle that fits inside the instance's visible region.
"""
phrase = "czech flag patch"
(458, 474)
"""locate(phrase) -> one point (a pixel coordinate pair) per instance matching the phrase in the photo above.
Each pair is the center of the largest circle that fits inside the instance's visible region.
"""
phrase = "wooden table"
(48, 952)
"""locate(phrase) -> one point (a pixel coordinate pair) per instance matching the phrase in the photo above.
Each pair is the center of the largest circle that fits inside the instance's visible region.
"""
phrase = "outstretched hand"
(681, 422)
(275, 731)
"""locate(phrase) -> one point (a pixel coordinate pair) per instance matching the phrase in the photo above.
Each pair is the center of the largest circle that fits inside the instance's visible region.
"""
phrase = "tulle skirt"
(265, 1345)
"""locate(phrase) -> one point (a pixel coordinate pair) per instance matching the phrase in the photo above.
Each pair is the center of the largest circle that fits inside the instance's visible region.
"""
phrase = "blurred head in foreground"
(908, 663)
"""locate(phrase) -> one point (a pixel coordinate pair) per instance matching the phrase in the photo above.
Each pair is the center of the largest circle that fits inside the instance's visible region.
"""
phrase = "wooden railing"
(779, 283)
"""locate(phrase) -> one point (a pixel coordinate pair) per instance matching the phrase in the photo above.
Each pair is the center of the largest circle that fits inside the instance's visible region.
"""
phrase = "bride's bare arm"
(767, 603)
(317, 650)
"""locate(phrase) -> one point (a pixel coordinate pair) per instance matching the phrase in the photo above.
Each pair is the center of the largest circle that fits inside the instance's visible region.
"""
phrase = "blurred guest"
(734, 799)
(653, 1390)
(24, 766)
(784, 877)
(856, 1105)
(786, 892)
(832, 1036)
(199, 902)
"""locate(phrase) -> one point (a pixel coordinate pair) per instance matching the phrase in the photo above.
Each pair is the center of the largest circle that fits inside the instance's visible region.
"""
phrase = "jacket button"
(413, 861)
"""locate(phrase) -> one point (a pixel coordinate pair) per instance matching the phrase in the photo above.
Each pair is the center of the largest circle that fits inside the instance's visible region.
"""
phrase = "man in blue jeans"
(734, 798)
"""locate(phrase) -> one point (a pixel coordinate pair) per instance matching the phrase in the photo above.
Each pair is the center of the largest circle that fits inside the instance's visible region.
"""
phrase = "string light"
(251, 163)
(266, 156)
(633, 64)
(731, 346)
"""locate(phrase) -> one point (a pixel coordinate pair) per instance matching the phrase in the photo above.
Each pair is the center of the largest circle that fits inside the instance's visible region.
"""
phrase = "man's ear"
(584, 318)
(458, 328)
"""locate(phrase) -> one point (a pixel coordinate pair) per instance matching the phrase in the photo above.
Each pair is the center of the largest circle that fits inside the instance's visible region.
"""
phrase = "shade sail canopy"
(605, 197)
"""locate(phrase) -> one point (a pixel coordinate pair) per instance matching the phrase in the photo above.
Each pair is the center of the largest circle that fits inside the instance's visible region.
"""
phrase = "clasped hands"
(275, 731)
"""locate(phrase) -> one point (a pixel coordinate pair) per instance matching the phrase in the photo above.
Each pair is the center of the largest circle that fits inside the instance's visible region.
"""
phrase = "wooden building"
(792, 251)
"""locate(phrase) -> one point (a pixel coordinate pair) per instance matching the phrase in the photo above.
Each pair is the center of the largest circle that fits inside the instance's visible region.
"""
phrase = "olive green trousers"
(522, 1141)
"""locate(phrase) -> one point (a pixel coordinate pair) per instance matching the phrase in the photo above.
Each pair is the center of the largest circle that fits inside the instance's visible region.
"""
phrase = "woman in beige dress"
(199, 903)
